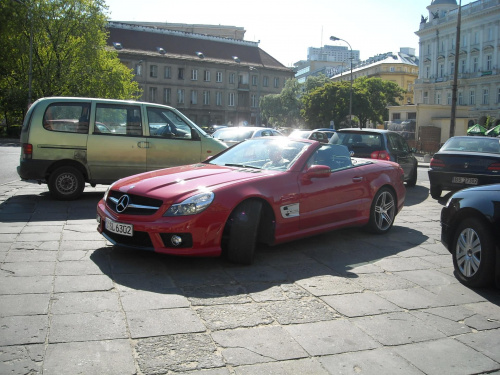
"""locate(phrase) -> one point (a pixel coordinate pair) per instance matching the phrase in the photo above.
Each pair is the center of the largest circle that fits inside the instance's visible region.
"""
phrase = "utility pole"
(455, 73)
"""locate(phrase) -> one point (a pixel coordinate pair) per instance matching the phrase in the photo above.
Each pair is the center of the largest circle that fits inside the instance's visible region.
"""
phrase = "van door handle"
(143, 144)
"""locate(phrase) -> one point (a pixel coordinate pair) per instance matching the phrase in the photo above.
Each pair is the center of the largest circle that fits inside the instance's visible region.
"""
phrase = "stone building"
(478, 69)
(213, 79)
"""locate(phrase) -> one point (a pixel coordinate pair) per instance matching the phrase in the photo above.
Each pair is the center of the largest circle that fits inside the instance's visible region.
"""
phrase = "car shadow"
(416, 195)
(345, 254)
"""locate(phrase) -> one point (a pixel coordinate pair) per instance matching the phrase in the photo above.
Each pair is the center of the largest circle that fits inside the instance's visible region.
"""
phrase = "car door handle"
(357, 179)
(143, 144)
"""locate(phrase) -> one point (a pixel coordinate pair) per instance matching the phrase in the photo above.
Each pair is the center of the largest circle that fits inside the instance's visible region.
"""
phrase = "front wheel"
(243, 225)
(66, 183)
(382, 211)
(474, 253)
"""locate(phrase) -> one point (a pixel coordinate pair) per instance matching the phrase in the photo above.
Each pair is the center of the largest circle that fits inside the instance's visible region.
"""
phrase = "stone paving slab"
(344, 302)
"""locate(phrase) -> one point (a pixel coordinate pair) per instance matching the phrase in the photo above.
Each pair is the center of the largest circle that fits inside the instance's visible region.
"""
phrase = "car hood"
(173, 183)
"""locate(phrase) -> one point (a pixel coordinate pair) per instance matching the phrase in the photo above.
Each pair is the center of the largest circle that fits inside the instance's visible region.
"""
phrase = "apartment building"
(212, 79)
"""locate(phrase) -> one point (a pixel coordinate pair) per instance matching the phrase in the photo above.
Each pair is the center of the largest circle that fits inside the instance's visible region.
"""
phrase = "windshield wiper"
(240, 165)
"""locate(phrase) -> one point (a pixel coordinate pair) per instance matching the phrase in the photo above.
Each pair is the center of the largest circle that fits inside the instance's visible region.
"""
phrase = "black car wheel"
(383, 211)
(66, 183)
(436, 191)
(412, 181)
(243, 226)
(474, 253)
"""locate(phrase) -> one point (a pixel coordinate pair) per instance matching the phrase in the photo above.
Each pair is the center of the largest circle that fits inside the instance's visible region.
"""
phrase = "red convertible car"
(264, 190)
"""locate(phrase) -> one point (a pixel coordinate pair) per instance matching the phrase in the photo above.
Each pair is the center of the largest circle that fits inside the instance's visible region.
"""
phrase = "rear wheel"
(412, 181)
(243, 225)
(382, 211)
(436, 191)
(66, 183)
(474, 253)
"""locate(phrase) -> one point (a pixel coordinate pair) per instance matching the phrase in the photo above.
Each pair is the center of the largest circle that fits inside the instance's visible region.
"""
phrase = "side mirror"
(317, 171)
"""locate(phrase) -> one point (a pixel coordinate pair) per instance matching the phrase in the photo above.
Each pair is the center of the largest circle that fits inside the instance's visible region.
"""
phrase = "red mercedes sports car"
(264, 190)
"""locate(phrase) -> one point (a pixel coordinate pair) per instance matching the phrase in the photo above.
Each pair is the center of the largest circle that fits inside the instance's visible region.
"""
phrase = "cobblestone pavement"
(345, 302)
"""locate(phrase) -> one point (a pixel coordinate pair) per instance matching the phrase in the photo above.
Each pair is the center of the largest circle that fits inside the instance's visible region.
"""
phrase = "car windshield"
(472, 144)
(262, 153)
(236, 135)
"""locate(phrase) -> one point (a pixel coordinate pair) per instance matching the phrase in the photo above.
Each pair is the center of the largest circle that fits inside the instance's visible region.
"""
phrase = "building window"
(194, 74)
(218, 98)
(206, 76)
(426, 97)
(232, 77)
(427, 71)
(476, 37)
(462, 66)
(448, 98)
(441, 70)
(206, 97)
(391, 69)
(265, 81)
(180, 73)
(276, 82)
(153, 71)
(489, 62)
(486, 96)
(472, 97)
(475, 66)
(498, 96)
(167, 96)
(412, 115)
(438, 98)
(194, 97)
(152, 94)
(180, 96)
(138, 70)
(230, 99)
(167, 72)
(254, 101)
(218, 77)
(460, 99)
(255, 80)
(452, 68)
(396, 116)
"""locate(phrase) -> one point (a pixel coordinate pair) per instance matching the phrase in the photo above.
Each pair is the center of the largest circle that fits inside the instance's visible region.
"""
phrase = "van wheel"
(66, 183)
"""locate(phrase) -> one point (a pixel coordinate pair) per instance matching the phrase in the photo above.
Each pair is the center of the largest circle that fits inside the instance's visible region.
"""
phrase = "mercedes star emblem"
(122, 203)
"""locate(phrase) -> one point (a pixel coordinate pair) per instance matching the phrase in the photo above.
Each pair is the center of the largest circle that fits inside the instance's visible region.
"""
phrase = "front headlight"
(191, 206)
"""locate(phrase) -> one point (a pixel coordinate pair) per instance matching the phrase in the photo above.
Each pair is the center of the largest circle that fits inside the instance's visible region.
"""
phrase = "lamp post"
(334, 38)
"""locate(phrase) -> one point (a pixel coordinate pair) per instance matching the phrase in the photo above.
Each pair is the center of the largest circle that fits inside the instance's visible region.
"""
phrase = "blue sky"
(287, 28)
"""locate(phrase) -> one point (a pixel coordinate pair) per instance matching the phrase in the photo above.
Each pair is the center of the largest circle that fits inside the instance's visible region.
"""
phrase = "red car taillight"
(494, 167)
(27, 151)
(437, 163)
(383, 155)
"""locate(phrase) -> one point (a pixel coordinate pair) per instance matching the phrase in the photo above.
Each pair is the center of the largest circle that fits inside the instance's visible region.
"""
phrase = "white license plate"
(464, 180)
(119, 228)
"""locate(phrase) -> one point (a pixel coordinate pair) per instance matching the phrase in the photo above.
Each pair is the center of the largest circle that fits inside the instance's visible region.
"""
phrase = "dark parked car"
(379, 144)
(470, 229)
(465, 161)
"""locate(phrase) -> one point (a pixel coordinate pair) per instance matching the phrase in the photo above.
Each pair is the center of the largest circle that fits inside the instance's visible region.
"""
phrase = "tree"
(371, 96)
(69, 53)
(284, 108)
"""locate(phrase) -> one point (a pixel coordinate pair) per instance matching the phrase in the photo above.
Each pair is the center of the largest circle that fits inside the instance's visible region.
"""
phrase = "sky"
(286, 29)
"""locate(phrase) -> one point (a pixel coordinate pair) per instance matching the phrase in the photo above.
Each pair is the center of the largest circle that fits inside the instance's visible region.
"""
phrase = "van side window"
(67, 117)
(167, 124)
(116, 119)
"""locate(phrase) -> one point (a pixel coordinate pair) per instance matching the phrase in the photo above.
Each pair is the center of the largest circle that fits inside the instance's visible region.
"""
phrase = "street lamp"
(334, 38)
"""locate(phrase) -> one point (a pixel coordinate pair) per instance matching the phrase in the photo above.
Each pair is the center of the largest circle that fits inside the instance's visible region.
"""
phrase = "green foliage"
(69, 54)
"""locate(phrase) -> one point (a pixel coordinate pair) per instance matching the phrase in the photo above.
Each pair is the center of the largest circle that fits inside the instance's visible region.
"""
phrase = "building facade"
(400, 68)
(211, 79)
(478, 69)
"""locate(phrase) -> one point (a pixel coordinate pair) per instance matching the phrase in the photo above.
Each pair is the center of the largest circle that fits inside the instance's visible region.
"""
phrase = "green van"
(66, 142)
